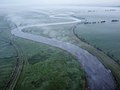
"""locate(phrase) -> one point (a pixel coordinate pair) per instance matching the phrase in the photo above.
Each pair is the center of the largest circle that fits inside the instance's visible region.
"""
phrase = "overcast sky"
(86, 2)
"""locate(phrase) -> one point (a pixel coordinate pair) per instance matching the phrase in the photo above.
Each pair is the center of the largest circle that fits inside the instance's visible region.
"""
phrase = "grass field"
(45, 67)
(48, 68)
(60, 32)
(25, 17)
(7, 54)
(99, 38)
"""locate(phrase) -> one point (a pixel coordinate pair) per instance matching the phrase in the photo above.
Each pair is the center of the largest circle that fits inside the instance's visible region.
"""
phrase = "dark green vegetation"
(7, 54)
(48, 68)
(45, 67)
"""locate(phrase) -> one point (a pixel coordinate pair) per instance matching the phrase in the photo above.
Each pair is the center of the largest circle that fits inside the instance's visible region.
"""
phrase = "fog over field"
(58, 2)
(59, 44)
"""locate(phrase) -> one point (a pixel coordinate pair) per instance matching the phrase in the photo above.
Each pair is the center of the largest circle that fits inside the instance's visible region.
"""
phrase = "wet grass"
(101, 40)
(35, 17)
(45, 67)
(49, 68)
(7, 54)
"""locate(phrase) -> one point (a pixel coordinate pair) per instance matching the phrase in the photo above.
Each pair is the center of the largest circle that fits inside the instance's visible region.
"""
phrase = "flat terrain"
(7, 54)
(48, 68)
(97, 38)
(85, 58)
(102, 35)
(60, 67)
(54, 47)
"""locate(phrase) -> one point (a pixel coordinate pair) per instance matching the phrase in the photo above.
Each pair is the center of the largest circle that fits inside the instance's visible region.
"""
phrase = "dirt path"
(99, 78)
(17, 70)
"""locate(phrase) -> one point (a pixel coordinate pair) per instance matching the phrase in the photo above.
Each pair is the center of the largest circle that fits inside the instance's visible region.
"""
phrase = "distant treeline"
(95, 22)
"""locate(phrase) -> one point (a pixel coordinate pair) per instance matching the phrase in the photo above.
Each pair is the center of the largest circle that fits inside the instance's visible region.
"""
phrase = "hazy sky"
(87, 2)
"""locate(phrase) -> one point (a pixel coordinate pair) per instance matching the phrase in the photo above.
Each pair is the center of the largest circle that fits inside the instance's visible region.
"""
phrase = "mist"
(60, 2)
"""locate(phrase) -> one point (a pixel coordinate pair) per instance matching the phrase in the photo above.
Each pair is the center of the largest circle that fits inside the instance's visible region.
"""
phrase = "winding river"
(99, 78)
